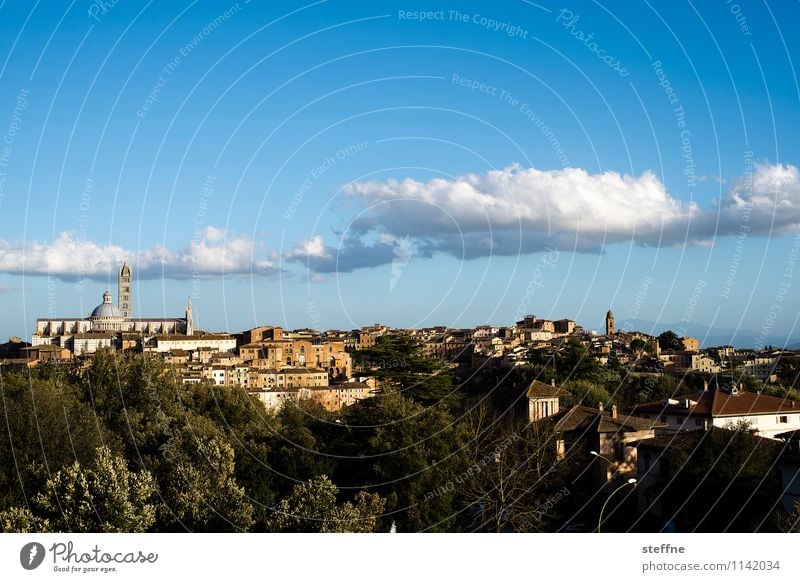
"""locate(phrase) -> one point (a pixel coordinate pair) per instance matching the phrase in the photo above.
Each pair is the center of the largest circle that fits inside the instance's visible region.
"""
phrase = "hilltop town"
(617, 408)
(278, 364)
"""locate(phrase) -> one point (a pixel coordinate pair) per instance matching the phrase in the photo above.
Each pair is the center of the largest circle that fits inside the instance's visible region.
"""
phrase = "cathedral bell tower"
(189, 322)
(609, 323)
(125, 290)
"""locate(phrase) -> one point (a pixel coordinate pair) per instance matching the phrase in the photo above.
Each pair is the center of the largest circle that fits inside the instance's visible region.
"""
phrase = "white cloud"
(308, 249)
(522, 210)
(211, 254)
(212, 233)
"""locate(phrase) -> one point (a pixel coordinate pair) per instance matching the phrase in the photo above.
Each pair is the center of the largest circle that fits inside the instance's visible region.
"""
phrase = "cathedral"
(108, 319)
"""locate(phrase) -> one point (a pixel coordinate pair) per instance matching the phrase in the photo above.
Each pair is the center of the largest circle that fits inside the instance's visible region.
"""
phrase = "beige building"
(89, 343)
(691, 361)
(543, 400)
(46, 353)
(218, 342)
(271, 379)
(691, 344)
(284, 351)
(767, 416)
(332, 398)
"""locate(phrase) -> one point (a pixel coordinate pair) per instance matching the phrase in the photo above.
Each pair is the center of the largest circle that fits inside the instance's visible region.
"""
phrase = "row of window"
(699, 421)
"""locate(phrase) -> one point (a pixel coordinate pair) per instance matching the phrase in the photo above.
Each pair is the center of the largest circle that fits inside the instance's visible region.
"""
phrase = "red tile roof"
(717, 403)
(538, 389)
(584, 417)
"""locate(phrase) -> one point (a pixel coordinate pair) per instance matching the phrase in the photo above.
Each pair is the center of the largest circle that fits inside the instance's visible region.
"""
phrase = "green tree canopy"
(402, 451)
(398, 360)
(104, 497)
(312, 507)
(723, 483)
(669, 340)
(198, 482)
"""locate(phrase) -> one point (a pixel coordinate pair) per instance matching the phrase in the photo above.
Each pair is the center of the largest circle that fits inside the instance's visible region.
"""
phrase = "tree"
(587, 393)
(199, 485)
(296, 448)
(644, 387)
(312, 507)
(46, 427)
(403, 451)
(398, 360)
(576, 363)
(138, 399)
(638, 345)
(789, 522)
(511, 481)
(669, 340)
(723, 483)
(788, 370)
(250, 429)
(106, 497)
(22, 520)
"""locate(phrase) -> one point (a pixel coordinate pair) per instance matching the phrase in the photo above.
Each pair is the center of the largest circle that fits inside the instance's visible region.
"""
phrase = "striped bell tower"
(125, 290)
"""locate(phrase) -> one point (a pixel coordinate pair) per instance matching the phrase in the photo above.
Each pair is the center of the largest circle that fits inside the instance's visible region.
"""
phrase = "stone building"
(609, 323)
(108, 320)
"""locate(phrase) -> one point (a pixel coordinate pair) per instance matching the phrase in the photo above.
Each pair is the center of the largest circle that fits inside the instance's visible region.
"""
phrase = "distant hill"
(710, 336)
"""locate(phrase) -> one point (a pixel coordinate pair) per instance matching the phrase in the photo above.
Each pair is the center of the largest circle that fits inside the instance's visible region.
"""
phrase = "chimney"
(614, 411)
(553, 382)
(600, 406)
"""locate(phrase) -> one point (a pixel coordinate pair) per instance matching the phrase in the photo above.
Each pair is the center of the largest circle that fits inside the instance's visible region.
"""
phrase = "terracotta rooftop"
(538, 389)
(585, 418)
(718, 403)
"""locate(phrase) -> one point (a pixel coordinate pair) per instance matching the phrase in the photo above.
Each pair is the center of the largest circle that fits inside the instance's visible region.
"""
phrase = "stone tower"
(609, 323)
(189, 322)
(125, 290)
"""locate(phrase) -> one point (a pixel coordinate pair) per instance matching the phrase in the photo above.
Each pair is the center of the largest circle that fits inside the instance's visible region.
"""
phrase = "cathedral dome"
(106, 309)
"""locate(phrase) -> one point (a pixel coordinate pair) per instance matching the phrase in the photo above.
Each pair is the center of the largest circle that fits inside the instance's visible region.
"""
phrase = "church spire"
(125, 290)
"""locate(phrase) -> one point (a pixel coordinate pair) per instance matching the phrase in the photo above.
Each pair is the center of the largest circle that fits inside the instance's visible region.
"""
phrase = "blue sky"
(333, 164)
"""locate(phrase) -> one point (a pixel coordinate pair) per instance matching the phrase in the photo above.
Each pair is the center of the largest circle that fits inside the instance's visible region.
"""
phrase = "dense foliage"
(123, 445)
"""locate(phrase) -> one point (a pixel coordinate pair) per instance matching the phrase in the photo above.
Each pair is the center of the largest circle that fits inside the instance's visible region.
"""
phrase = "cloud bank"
(211, 254)
(519, 210)
(507, 212)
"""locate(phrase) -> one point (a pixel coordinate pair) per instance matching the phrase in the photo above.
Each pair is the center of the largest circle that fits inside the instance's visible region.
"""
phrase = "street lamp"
(607, 460)
(596, 454)
(600, 520)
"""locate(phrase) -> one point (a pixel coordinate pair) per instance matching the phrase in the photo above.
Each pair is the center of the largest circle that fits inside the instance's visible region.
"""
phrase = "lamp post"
(628, 482)
(596, 454)
(607, 460)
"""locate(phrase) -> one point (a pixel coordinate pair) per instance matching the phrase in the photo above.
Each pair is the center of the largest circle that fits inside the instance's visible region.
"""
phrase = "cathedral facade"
(108, 320)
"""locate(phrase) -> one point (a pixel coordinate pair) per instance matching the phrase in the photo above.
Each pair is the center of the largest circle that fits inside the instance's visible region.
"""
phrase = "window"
(698, 422)
(783, 419)
(619, 451)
